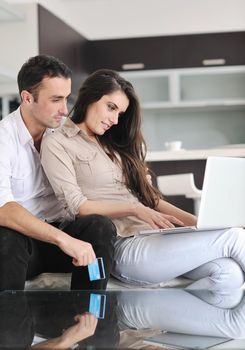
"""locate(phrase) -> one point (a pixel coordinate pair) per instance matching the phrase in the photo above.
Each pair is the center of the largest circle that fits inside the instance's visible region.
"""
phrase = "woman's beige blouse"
(80, 170)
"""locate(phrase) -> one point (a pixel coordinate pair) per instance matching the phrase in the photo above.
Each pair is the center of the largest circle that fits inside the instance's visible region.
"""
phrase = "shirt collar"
(70, 128)
(22, 130)
(24, 134)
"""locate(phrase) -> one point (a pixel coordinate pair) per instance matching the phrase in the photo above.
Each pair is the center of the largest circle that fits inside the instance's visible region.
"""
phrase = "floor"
(122, 318)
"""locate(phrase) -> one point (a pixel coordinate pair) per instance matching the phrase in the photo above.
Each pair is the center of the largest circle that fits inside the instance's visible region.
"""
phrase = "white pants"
(206, 313)
(211, 259)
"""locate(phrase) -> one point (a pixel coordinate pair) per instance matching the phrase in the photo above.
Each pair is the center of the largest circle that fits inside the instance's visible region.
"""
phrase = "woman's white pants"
(210, 259)
(209, 313)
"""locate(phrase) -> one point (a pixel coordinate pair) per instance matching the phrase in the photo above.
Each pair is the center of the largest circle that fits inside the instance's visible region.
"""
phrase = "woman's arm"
(169, 209)
(116, 209)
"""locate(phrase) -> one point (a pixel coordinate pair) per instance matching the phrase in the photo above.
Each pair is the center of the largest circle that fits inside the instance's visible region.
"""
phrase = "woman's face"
(104, 113)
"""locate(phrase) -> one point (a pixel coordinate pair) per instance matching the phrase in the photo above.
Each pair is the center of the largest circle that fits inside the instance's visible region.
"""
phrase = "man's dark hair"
(38, 67)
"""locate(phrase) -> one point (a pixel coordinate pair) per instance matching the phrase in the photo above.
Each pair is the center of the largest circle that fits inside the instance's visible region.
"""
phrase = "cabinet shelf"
(202, 107)
(196, 105)
(213, 87)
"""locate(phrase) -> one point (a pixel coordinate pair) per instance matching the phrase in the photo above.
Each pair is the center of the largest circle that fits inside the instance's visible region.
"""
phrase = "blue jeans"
(22, 257)
(211, 259)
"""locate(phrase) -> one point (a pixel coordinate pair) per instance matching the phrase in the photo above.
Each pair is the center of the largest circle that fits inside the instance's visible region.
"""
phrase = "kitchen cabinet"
(146, 53)
(168, 52)
(58, 39)
(168, 167)
(212, 88)
(213, 49)
(202, 107)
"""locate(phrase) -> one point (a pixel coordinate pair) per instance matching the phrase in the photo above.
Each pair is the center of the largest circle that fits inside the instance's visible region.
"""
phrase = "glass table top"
(127, 319)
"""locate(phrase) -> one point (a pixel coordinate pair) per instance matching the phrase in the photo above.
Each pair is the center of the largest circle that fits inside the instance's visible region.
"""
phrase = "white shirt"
(22, 178)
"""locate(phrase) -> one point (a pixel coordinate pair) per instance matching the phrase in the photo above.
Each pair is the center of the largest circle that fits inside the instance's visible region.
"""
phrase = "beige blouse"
(79, 169)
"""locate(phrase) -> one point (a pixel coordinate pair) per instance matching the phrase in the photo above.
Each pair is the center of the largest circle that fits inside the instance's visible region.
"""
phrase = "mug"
(173, 145)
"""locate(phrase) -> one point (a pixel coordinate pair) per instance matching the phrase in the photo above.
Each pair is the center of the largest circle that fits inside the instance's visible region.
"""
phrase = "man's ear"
(26, 97)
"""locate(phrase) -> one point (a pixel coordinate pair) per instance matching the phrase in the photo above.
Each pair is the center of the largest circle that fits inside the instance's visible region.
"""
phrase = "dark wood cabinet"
(164, 52)
(160, 52)
(198, 49)
(197, 167)
(58, 39)
(152, 52)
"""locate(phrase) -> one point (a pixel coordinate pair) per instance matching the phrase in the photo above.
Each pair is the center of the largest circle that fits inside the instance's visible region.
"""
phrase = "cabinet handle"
(214, 62)
(132, 66)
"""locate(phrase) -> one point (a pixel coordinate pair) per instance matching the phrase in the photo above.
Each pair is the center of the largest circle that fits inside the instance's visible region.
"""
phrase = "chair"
(180, 184)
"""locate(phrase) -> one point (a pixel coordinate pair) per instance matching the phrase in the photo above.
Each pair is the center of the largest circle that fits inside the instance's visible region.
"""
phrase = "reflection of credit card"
(96, 270)
(97, 305)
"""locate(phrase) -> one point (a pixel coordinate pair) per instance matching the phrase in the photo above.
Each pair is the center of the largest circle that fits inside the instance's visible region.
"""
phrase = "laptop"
(223, 197)
(185, 341)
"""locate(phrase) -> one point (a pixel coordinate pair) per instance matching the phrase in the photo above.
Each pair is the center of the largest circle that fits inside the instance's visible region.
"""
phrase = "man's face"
(51, 103)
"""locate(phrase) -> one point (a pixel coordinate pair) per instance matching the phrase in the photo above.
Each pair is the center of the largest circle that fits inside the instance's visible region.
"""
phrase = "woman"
(95, 164)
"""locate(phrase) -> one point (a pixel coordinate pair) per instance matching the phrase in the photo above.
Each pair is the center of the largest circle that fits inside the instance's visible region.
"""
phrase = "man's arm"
(85, 327)
(14, 216)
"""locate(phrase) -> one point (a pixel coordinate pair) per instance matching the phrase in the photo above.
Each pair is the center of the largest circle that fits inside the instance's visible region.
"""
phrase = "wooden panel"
(163, 52)
(191, 50)
(197, 167)
(153, 52)
(58, 39)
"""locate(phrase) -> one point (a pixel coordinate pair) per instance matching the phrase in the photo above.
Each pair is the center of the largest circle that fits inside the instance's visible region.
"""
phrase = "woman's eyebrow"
(114, 104)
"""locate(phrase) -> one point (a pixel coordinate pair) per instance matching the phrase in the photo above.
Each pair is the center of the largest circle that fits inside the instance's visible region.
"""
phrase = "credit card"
(97, 304)
(96, 270)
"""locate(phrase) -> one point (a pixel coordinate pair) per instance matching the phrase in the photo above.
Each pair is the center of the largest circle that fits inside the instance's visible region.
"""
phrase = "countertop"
(182, 154)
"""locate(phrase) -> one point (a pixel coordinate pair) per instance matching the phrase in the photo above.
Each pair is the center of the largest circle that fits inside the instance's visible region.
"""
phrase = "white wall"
(104, 19)
(19, 41)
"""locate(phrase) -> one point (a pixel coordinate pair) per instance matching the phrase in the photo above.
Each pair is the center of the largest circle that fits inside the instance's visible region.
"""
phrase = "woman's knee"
(237, 233)
(228, 273)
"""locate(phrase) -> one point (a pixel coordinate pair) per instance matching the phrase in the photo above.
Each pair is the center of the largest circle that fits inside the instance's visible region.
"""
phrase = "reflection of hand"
(81, 252)
(154, 218)
(84, 328)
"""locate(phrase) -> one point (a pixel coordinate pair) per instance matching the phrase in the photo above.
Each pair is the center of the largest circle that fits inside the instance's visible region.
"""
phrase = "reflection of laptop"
(184, 341)
(223, 196)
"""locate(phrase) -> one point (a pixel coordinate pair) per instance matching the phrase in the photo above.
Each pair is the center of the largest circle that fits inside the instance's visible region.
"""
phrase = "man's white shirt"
(22, 178)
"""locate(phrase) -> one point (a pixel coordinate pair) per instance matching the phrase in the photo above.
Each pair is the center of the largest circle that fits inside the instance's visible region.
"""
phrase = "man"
(36, 233)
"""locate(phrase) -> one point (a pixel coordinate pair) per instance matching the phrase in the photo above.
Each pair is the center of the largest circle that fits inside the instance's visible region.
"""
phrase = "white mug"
(173, 145)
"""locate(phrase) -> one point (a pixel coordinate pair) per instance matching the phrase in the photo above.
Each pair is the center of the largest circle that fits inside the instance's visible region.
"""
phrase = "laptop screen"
(223, 194)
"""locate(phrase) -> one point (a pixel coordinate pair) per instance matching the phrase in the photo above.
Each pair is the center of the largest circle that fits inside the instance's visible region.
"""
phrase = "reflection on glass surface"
(120, 319)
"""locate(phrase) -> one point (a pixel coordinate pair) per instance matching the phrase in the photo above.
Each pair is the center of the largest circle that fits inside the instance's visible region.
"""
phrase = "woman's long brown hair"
(125, 138)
